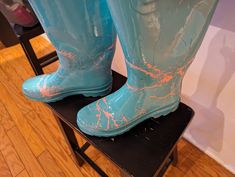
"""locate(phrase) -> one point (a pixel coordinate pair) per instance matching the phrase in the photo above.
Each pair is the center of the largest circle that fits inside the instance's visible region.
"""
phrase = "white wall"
(209, 88)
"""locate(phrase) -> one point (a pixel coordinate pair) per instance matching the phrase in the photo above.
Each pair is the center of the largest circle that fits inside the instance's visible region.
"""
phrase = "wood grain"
(24, 173)
(109, 168)
(33, 140)
(62, 158)
(14, 86)
(51, 168)
(10, 69)
(5, 118)
(4, 170)
(9, 153)
(31, 164)
(194, 162)
(50, 122)
(175, 172)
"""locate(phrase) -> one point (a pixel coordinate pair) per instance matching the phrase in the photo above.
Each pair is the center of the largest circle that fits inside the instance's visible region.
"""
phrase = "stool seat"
(143, 151)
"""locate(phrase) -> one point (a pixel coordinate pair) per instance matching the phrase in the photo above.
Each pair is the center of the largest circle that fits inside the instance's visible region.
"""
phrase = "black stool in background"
(17, 34)
(24, 35)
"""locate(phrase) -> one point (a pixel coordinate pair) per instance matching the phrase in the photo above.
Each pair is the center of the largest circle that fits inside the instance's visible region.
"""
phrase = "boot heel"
(165, 110)
(98, 93)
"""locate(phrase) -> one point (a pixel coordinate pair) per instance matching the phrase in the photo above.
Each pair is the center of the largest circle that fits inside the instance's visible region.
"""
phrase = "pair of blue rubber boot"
(159, 38)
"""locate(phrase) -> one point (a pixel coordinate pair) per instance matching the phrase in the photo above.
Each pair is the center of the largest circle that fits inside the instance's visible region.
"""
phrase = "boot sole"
(154, 114)
(102, 91)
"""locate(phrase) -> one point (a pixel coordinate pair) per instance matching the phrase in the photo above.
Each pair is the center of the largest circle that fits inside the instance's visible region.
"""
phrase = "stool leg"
(71, 140)
(30, 54)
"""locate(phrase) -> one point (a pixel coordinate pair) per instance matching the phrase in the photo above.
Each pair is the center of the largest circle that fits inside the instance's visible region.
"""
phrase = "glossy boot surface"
(84, 36)
(159, 39)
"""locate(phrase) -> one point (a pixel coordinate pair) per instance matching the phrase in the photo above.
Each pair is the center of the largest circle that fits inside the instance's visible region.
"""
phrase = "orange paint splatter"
(105, 101)
(44, 90)
(153, 67)
(125, 119)
(166, 79)
(98, 115)
(108, 116)
(67, 54)
(181, 72)
(157, 84)
(162, 77)
(142, 70)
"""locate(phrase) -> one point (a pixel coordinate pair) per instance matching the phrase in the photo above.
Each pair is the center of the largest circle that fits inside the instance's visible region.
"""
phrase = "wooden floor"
(31, 143)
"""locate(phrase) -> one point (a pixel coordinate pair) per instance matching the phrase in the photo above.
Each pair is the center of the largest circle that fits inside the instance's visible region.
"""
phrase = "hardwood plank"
(33, 140)
(30, 162)
(45, 114)
(30, 106)
(194, 162)
(175, 172)
(84, 171)
(13, 62)
(62, 158)
(5, 118)
(94, 154)
(40, 45)
(49, 165)
(9, 153)
(24, 173)
(14, 86)
(81, 141)
(50, 122)
(109, 168)
(59, 154)
(4, 170)
(11, 68)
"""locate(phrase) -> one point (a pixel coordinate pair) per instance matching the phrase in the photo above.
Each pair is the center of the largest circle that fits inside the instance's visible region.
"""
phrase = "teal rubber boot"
(160, 39)
(84, 36)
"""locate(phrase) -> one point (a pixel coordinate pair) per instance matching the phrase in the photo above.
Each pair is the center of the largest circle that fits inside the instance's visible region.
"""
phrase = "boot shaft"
(80, 30)
(83, 34)
(160, 38)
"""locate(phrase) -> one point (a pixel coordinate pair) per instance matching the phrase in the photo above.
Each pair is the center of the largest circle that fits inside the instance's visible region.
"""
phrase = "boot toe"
(30, 88)
(87, 121)
(98, 119)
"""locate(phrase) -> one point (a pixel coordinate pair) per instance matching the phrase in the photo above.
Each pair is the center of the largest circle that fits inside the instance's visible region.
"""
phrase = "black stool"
(17, 34)
(145, 151)
(24, 35)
